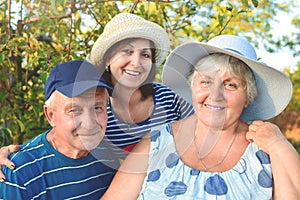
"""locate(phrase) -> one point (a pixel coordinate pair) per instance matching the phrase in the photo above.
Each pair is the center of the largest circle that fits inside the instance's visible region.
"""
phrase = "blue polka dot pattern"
(215, 185)
(153, 176)
(263, 157)
(194, 172)
(264, 179)
(170, 178)
(172, 160)
(154, 135)
(169, 130)
(175, 188)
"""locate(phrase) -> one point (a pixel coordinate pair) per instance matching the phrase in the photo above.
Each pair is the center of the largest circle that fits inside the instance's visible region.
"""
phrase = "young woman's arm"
(285, 160)
(5, 151)
(128, 181)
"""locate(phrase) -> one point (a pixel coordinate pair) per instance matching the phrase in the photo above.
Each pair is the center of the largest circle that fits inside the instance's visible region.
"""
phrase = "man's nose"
(89, 120)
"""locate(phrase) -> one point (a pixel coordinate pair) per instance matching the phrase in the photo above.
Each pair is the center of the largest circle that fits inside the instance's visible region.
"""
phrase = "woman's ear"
(246, 103)
(49, 115)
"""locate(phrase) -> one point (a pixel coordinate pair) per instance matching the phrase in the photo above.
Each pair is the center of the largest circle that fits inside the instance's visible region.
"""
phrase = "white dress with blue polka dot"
(169, 178)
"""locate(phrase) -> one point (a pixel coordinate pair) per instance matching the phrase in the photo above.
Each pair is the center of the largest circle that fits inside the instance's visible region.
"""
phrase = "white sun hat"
(274, 88)
(127, 25)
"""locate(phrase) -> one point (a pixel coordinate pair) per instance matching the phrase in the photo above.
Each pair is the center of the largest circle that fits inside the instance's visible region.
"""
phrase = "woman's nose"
(135, 59)
(217, 92)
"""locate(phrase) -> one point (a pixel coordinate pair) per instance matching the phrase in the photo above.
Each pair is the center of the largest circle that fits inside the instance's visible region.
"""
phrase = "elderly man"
(69, 161)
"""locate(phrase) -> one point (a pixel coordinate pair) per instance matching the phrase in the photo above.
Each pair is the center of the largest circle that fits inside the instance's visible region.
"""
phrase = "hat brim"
(78, 88)
(274, 88)
(131, 27)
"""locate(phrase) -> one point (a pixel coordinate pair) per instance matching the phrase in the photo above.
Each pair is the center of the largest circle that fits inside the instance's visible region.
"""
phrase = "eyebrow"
(146, 48)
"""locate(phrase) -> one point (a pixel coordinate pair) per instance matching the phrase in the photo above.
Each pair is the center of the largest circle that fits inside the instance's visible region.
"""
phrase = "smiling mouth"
(87, 134)
(216, 108)
(132, 73)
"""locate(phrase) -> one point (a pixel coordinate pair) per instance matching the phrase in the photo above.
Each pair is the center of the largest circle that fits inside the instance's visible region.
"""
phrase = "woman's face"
(218, 98)
(130, 63)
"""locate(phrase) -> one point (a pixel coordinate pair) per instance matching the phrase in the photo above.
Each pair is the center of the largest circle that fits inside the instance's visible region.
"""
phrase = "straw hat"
(274, 88)
(126, 25)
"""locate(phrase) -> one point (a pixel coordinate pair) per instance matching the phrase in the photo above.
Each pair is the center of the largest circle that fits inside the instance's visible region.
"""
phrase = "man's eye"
(99, 108)
(74, 110)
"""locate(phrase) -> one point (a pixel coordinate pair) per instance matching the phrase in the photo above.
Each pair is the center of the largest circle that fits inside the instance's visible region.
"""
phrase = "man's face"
(79, 123)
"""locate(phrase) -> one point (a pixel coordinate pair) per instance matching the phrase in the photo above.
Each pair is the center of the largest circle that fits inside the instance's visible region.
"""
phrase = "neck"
(126, 96)
(132, 108)
(207, 138)
(64, 148)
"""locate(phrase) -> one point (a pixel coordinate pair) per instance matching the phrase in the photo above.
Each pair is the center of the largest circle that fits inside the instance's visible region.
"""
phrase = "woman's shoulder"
(161, 88)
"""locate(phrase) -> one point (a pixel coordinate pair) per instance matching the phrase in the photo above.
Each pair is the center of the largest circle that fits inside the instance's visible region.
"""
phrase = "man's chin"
(90, 143)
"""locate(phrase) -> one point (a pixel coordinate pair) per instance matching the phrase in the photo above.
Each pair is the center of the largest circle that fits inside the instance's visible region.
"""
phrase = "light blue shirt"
(169, 178)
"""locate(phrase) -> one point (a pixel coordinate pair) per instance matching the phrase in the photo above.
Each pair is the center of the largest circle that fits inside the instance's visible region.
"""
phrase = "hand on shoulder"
(267, 136)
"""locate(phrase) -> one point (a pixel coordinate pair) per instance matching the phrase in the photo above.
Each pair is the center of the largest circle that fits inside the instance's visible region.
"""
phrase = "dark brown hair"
(146, 87)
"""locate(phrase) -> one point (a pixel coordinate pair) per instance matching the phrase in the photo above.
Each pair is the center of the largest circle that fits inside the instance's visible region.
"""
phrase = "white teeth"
(214, 107)
(133, 73)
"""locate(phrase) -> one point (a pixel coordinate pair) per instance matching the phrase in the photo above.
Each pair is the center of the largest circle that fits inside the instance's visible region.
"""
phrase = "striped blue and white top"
(43, 173)
(168, 107)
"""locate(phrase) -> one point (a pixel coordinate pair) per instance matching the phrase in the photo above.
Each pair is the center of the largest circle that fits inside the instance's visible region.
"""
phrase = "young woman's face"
(218, 98)
(130, 63)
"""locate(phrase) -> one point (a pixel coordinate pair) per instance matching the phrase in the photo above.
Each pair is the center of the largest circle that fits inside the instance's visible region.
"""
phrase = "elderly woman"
(223, 151)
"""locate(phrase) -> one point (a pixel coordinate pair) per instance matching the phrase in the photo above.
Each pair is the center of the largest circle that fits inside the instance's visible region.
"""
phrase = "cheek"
(238, 102)
(199, 95)
(116, 60)
(66, 123)
(102, 118)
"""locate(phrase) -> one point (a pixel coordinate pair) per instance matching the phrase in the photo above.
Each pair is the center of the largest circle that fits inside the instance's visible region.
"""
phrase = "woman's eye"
(146, 55)
(205, 83)
(127, 51)
(231, 86)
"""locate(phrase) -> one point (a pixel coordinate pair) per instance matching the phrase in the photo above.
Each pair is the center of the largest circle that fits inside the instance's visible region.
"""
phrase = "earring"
(107, 68)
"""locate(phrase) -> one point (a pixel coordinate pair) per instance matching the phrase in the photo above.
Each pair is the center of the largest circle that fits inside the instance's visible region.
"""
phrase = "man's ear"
(49, 115)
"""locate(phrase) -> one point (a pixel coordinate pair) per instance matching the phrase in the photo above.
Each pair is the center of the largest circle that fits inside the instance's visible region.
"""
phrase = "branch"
(134, 6)
(71, 33)
(226, 24)
(8, 19)
(29, 21)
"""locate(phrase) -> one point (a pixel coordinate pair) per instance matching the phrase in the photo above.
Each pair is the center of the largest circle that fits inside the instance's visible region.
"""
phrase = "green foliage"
(37, 35)
(295, 77)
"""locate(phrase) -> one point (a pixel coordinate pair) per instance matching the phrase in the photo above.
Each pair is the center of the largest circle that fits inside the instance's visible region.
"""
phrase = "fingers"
(4, 153)
(249, 137)
(13, 148)
(252, 130)
(266, 135)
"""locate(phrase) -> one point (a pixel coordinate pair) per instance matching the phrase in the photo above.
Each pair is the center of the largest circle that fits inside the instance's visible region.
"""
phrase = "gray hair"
(50, 102)
(226, 63)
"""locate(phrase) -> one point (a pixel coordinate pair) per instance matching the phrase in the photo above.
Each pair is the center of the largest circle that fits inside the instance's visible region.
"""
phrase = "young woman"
(128, 52)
